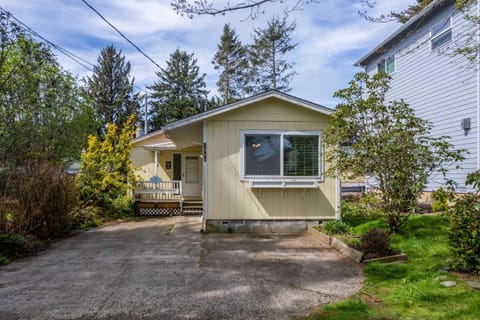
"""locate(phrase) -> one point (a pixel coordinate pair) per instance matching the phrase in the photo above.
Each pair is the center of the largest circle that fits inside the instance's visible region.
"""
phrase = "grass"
(409, 290)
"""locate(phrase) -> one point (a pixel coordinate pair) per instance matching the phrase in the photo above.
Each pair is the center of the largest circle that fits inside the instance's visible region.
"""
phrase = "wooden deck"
(165, 198)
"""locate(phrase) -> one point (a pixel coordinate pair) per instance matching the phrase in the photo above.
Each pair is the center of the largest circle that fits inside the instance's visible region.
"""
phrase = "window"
(390, 65)
(280, 154)
(441, 33)
(387, 66)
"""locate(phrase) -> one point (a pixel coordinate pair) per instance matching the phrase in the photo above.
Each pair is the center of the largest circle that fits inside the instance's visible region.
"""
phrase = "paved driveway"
(163, 268)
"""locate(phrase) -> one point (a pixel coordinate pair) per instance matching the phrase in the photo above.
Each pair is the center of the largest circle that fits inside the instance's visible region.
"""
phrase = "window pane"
(443, 38)
(300, 156)
(381, 66)
(262, 155)
(440, 27)
(391, 64)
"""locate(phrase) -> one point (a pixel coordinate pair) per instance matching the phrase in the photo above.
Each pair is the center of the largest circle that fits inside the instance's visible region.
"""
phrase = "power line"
(66, 52)
(74, 57)
(121, 34)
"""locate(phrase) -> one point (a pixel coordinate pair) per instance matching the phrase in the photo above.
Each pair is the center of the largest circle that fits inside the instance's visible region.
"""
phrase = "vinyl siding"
(229, 198)
(440, 87)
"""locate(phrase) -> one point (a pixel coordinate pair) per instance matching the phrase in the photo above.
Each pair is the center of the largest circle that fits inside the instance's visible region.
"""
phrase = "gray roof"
(413, 23)
(268, 94)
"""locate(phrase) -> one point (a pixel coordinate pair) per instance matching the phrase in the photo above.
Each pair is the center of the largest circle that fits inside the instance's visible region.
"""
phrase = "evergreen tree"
(231, 61)
(405, 15)
(269, 67)
(179, 92)
(111, 89)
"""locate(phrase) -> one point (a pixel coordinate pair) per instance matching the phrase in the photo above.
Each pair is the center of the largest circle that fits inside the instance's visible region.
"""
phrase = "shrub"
(12, 245)
(464, 232)
(41, 201)
(376, 243)
(122, 206)
(336, 227)
(440, 200)
(360, 211)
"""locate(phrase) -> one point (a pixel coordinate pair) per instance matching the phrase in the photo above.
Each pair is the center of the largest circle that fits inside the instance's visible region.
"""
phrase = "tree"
(43, 114)
(207, 7)
(232, 63)
(269, 67)
(106, 173)
(111, 89)
(386, 142)
(179, 91)
(405, 15)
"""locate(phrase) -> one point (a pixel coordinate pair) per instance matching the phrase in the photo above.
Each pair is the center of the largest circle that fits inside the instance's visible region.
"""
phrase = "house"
(253, 165)
(440, 86)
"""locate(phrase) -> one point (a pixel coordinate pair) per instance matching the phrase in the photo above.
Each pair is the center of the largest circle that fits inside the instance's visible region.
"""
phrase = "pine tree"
(269, 67)
(231, 61)
(179, 91)
(111, 89)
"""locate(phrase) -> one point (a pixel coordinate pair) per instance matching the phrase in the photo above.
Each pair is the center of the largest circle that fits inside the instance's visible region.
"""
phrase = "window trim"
(440, 34)
(281, 179)
(383, 62)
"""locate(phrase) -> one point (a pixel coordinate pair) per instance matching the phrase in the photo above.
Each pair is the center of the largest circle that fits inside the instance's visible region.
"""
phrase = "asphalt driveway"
(164, 268)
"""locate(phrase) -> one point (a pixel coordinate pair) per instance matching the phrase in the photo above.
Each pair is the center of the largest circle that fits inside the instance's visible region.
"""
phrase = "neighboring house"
(441, 87)
(253, 165)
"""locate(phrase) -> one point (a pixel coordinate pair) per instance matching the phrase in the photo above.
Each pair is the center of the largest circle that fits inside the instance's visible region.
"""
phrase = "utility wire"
(66, 52)
(121, 34)
(74, 57)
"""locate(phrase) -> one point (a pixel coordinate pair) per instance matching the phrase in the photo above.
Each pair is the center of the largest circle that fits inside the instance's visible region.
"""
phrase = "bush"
(464, 232)
(440, 200)
(336, 227)
(122, 206)
(41, 201)
(376, 243)
(12, 245)
(360, 211)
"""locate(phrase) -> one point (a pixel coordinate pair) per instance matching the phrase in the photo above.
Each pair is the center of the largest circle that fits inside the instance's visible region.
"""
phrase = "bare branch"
(207, 7)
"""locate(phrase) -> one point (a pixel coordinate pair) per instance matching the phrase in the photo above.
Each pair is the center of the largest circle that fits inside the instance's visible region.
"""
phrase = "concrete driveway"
(164, 268)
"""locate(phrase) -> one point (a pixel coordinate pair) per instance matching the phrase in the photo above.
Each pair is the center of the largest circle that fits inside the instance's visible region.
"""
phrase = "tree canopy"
(111, 90)
(270, 68)
(179, 92)
(232, 63)
(387, 142)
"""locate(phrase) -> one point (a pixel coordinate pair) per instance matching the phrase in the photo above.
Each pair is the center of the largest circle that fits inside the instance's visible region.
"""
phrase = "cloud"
(331, 36)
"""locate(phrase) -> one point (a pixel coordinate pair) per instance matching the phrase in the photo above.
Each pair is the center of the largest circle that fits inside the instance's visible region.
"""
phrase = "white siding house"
(440, 86)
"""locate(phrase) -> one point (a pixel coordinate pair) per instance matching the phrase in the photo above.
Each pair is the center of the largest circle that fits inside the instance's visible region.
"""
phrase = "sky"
(331, 37)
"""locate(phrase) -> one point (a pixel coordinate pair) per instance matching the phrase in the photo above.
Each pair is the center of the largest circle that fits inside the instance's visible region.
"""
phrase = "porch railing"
(158, 191)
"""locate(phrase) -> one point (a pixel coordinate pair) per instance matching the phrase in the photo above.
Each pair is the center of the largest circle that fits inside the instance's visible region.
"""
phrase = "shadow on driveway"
(164, 268)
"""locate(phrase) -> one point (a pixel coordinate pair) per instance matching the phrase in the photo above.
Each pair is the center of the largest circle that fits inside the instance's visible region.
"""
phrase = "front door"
(191, 175)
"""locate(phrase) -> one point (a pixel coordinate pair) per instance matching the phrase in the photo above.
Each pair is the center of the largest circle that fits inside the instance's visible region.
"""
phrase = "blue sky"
(330, 33)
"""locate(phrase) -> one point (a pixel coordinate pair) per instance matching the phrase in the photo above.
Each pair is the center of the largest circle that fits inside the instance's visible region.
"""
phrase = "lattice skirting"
(159, 211)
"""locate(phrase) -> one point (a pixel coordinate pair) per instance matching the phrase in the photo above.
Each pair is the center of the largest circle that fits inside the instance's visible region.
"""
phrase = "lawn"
(410, 290)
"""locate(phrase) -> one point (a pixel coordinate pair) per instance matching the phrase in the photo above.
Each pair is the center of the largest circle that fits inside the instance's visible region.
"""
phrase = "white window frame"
(383, 62)
(440, 34)
(281, 181)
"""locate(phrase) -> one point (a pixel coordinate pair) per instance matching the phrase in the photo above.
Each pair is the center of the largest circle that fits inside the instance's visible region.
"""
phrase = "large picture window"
(281, 154)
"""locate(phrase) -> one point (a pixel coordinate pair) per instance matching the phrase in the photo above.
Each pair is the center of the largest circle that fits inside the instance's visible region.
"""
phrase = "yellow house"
(253, 165)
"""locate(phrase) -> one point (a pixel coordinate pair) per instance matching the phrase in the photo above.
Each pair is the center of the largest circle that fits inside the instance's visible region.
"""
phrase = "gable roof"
(410, 25)
(244, 102)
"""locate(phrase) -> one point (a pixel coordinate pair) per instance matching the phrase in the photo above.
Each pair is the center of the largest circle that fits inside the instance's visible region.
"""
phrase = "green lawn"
(410, 290)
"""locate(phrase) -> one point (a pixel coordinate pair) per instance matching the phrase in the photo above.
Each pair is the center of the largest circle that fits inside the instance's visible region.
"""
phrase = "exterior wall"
(143, 161)
(442, 88)
(229, 198)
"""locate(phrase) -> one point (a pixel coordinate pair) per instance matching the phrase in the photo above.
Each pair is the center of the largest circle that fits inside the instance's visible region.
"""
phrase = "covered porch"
(170, 177)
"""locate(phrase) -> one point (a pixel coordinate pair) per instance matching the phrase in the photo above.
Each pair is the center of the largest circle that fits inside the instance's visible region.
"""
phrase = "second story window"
(441, 33)
(387, 65)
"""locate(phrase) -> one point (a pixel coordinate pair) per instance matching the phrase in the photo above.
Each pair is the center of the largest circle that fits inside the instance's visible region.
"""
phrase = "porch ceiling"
(190, 135)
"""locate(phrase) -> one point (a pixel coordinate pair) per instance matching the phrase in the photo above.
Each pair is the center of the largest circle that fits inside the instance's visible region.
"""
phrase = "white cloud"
(331, 36)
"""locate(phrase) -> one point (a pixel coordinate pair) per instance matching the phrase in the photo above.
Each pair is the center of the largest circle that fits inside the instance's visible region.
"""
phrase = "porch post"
(155, 170)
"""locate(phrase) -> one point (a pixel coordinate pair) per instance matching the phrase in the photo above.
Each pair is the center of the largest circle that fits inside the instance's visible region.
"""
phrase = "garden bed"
(339, 243)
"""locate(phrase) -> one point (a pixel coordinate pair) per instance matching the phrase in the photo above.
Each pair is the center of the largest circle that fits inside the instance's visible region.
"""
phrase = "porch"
(165, 198)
